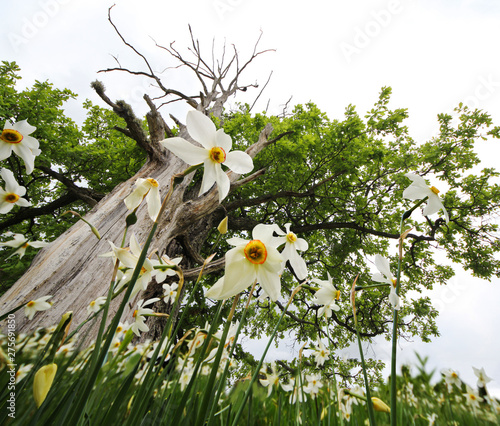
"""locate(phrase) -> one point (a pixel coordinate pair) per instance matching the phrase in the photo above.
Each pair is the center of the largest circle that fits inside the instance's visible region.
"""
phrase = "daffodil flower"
(95, 305)
(482, 378)
(321, 354)
(327, 296)
(213, 153)
(128, 257)
(21, 243)
(272, 379)
(257, 259)
(170, 292)
(162, 274)
(12, 195)
(149, 189)
(472, 398)
(419, 189)
(313, 384)
(15, 137)
(33, 306)
(139, 324)
(289, 253)
(451, 378)
(385, 276)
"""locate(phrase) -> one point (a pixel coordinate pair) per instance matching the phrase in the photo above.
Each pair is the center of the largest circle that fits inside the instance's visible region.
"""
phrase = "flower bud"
(222, 228)
(380, 405)
(42, 383)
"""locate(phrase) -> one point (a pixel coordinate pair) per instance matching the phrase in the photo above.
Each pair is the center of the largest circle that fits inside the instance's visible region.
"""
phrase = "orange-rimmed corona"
(256, 252)
(11, 136)
(11, 198)
(217, 154)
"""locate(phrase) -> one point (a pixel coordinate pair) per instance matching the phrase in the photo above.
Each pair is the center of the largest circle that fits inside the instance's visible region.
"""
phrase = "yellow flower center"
(217, 154)
(394, 282)
(92, 303)
(11, 198)
(25, 245)
(11, 136)
(337, 295)
(255, 251)
(153, 182)
(30, 304)
(434, 189)
(134, 314)
(291, 237)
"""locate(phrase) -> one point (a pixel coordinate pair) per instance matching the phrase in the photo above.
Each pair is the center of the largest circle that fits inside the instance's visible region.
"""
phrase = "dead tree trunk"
(71, 269)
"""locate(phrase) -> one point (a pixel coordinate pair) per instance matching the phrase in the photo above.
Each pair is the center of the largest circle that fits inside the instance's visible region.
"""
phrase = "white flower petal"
(26, 154)
(209, 175)
(223, 182)
(239, 162)
(185, 150)
(201, 128)
(223, 140)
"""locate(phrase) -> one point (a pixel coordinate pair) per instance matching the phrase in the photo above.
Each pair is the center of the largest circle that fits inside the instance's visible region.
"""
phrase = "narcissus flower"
(313, 384)
(419, 189)
(257, 259)
(21, 243)
(128, 257)
(327, 296)
(170, 292)
(42, 382)
(139, 324)
(213, 154)
(321, 354)
(472, 397)
(95, 305)
(385, 276)
(12, 195)
(482, 378)
(33, 306)
(272, 379)
(451, 378)
(15, 137)
(292, 244)
(148, 188)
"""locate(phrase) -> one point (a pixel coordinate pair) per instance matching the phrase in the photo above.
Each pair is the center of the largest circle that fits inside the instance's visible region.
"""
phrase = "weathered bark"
(71, 269)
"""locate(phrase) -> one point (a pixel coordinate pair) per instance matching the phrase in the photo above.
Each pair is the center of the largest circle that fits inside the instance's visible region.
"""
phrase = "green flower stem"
(261, 361)
(371, 413)
(100, 353)
(405, 216)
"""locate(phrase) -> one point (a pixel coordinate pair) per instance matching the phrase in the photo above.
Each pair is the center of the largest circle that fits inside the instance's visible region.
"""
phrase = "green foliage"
(76, 167)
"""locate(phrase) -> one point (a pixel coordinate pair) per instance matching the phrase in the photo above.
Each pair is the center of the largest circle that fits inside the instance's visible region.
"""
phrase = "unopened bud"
(380, 405)
(222, 228)
(42, 382)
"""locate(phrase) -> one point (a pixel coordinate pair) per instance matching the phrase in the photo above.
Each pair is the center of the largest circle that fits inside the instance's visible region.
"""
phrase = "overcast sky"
(433, 53)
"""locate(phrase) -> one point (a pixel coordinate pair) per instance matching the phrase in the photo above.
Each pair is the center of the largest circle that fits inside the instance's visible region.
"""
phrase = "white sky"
(433, 53)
